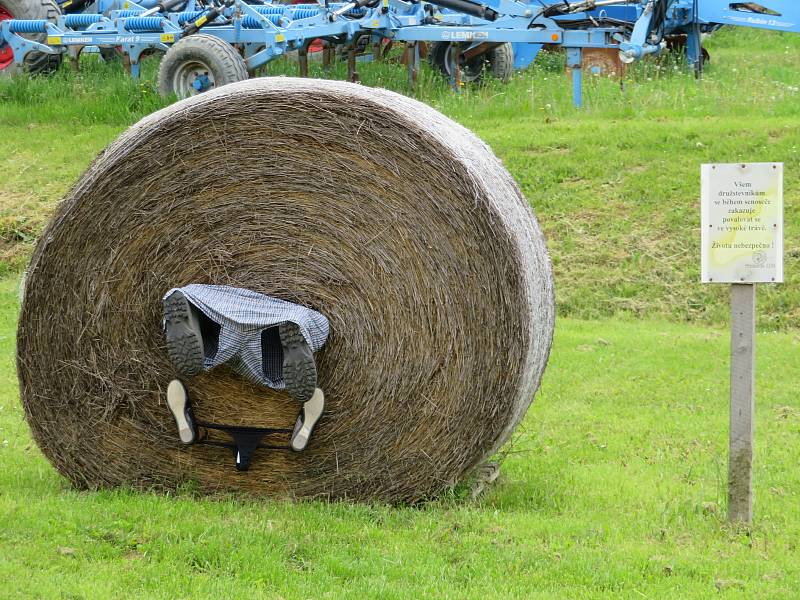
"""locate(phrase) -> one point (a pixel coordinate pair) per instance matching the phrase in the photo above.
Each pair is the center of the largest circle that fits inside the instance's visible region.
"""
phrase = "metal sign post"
(743, 368)
(742, 244)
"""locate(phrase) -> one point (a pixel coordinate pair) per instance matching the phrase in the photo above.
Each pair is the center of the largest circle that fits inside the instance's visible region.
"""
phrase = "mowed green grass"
(615, 484)
(613, 488)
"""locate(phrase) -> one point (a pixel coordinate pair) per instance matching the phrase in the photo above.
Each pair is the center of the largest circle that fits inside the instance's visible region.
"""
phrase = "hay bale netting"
(395, 222)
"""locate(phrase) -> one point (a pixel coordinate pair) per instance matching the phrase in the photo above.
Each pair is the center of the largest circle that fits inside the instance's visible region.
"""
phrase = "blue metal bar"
(694, 43)
(575, 63)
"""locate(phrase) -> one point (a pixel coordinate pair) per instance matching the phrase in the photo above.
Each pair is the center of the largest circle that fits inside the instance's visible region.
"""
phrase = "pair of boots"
(192, 341)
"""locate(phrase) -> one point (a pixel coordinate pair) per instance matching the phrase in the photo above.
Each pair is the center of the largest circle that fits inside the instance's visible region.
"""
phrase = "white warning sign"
(742, 223)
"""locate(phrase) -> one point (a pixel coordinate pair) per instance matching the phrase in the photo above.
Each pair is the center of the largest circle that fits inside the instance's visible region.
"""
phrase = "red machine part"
(6, 54)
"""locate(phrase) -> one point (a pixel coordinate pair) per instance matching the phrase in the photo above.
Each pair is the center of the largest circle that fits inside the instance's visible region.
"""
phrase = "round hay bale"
(395, 222)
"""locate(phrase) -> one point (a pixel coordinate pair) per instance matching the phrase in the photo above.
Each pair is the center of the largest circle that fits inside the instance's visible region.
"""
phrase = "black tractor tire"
(35, 62)
(199, 54)
(677, 43)
(110, 54)
(497, 62)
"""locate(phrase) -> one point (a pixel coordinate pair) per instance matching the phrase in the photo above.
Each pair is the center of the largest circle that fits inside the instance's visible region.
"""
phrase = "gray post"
(740, 460)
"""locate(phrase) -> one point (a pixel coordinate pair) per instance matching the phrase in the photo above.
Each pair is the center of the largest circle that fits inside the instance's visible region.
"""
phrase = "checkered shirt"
(242, 316)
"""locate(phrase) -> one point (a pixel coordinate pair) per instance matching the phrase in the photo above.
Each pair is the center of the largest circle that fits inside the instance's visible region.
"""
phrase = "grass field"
(615, 484)
(615, 487)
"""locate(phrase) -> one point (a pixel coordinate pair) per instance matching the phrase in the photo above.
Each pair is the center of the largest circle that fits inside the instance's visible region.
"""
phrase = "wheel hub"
(470, 70)
(193, 77)
(202, 82)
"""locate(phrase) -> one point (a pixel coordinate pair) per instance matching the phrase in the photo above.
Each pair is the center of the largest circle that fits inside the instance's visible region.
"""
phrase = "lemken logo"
(465, 35)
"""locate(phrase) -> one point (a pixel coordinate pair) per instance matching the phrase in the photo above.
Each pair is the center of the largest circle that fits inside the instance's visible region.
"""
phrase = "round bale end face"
(396, 223)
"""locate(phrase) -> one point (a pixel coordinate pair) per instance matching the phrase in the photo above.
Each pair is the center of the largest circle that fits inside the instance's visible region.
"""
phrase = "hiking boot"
(310, 413)
(183, 333)
(178, 402)
(299, 369)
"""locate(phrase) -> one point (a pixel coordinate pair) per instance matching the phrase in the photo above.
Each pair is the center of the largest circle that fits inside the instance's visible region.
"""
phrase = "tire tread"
(227, 63)
(35, 62)
(500, 61)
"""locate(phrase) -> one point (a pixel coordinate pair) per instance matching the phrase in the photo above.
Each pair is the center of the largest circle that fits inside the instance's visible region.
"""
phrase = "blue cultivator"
(210, 43)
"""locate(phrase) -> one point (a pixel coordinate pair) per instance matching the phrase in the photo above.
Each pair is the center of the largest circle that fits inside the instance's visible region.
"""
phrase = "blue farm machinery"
(208, 43)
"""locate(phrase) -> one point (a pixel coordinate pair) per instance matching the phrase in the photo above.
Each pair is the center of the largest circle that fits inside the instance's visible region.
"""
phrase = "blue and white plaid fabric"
(242, 316)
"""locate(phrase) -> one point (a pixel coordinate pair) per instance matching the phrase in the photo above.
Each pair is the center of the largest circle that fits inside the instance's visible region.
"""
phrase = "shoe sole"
(311, 412)
(182, 330)
(299, 370)
(177, 400)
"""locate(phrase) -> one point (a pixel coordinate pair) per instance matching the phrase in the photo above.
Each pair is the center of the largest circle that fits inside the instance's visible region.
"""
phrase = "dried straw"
(395, 222)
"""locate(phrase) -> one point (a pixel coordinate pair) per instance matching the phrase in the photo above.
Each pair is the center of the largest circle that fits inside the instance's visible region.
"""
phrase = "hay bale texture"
(395, 222)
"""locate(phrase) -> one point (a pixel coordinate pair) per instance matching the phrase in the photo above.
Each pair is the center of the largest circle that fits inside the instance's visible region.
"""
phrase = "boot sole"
(299, 369)
(311, 412)
(177, 400)
(182, 330)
